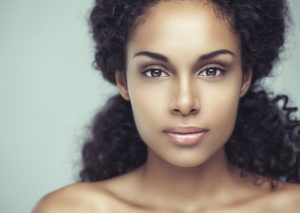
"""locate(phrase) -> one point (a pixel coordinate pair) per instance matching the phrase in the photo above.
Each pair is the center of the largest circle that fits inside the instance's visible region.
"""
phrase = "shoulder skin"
(75, 198)
(93, 198)
(289, 199)
(285, 199)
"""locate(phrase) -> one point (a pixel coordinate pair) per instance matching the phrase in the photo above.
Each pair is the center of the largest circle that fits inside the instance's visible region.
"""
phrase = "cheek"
(149, 108)
(220, 109)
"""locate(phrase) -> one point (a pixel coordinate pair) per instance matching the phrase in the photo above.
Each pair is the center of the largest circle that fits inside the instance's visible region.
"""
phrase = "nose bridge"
(185, 98)
(184, 90)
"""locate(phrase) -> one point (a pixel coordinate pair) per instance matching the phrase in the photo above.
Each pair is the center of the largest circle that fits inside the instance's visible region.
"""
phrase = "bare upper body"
(122, 194)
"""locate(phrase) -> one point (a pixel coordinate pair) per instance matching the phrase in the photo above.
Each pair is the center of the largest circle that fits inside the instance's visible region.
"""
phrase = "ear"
(247, 78)
(122, 85)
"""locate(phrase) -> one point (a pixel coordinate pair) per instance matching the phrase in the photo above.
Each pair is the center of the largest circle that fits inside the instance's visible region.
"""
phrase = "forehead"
(170, 25)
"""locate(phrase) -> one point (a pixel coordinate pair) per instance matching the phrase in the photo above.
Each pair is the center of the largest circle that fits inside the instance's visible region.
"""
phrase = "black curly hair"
(266, 138)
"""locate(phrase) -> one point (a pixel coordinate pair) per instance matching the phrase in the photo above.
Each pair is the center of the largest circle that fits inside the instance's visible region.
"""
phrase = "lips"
(186, 135)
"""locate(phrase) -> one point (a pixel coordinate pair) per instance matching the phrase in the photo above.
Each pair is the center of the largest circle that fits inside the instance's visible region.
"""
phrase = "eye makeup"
(155, 73)
(211, 68)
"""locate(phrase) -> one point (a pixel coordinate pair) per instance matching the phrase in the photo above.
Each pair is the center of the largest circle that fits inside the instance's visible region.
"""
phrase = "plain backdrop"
(49, 93)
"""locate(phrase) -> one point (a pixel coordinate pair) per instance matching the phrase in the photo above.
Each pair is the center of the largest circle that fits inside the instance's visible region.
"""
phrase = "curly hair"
(266, 138)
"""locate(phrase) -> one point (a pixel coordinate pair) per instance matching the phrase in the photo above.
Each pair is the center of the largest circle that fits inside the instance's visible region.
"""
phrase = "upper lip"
(185, 130)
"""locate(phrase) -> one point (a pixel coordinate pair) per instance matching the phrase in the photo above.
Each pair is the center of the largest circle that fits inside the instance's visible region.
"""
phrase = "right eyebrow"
(153, 55)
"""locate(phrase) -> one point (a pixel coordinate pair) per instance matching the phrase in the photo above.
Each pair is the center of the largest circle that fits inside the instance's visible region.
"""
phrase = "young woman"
(192, 129)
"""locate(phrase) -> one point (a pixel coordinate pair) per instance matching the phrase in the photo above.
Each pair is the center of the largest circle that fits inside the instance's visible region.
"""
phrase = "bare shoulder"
(286, 198)
(95, 197)
(75, 198)
(291, 193)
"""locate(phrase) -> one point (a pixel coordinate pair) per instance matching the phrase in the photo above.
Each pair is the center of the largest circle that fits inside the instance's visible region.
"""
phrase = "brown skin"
(180, 91)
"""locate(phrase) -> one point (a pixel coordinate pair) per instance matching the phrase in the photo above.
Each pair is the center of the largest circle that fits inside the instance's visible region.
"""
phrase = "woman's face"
(184, 81)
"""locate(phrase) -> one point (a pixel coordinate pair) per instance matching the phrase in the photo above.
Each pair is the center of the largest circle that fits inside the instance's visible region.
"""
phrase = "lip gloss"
(186, 139)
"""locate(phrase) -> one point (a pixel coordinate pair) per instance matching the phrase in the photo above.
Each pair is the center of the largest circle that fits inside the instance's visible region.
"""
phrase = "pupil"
(211, 71)
(156, 73)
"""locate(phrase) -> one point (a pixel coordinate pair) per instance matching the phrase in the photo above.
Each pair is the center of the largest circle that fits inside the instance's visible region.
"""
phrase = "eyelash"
(215, 69)
(151, 72)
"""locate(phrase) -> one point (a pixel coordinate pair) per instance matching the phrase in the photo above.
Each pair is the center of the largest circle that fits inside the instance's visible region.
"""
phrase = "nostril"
(193, 111)
(184, 105)
(176, 110)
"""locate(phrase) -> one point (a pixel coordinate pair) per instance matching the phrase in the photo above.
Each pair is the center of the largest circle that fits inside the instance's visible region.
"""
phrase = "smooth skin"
(183, 69)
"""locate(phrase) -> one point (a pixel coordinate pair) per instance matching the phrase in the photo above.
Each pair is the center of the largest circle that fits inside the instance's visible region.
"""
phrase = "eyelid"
(153, 66)
(212, 65)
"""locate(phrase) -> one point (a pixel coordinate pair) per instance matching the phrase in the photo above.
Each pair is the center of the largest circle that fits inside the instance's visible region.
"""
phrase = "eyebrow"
(153, 55)
(214, 54)
(201, 58)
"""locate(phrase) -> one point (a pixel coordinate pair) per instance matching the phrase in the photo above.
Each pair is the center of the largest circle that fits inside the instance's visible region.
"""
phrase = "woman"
(192, 130)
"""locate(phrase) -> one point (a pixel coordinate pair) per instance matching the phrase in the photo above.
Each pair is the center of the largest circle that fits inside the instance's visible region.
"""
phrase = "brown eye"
(212, 71)
(155, 73)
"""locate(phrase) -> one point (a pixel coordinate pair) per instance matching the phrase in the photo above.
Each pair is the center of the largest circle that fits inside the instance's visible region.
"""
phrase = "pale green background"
(49, 92)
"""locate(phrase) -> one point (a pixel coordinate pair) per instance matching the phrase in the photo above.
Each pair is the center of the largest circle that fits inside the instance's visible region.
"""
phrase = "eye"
(155, 73)
(211, 71)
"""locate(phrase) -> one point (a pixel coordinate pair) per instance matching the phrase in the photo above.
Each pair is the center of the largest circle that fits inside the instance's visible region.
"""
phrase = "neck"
(164, 180)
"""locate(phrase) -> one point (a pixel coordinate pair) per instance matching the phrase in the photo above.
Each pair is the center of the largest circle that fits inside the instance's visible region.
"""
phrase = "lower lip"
(186, 139)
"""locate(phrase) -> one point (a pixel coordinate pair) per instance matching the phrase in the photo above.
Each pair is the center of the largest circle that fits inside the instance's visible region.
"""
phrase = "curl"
(265, 138)
(115, 146)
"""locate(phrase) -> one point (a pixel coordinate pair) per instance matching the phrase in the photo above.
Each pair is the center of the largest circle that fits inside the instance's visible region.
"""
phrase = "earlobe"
(122, 85)
(247, 79)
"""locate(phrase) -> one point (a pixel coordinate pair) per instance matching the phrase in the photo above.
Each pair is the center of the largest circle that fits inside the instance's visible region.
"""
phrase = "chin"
(187, 162)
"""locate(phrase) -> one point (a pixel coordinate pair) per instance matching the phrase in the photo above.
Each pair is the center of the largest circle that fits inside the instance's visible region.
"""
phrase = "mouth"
(186, 136)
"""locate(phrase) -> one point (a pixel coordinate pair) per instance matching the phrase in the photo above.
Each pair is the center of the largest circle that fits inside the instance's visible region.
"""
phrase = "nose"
(184, 100)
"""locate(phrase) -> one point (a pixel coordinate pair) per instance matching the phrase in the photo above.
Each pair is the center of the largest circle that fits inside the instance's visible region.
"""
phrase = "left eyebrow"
(214, 54)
